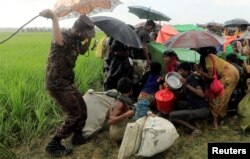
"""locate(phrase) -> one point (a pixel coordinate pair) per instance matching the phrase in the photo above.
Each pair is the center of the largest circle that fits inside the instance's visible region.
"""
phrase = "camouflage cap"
(84, 24)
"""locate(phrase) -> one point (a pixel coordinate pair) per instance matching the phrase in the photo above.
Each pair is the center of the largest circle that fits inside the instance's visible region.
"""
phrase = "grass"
(26, 112)
(28, 116)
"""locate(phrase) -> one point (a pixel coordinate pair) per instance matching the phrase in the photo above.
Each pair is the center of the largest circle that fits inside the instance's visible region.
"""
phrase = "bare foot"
(196, 132)
(215, 124)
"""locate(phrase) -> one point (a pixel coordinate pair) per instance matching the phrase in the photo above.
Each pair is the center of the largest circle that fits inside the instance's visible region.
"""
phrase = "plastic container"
(164, 101)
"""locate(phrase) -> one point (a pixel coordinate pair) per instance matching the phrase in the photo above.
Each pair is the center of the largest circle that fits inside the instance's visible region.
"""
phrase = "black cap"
(150, 23)
(84, 24)
(185, 66)
(170, 53)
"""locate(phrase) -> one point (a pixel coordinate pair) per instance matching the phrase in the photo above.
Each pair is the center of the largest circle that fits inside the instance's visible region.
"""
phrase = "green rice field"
(28, 116)
(26, 111)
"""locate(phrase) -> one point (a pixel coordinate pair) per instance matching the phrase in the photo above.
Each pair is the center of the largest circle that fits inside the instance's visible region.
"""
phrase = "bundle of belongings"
(97, 103)
(147, 136)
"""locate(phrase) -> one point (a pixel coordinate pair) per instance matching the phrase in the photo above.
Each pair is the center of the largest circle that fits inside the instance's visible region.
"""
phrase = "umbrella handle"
(1, 42)
(149, 13)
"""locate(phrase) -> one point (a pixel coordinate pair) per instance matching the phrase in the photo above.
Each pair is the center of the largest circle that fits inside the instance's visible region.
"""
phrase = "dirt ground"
(185, 147)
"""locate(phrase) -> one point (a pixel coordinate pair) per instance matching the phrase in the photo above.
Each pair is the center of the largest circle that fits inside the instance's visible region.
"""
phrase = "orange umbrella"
(166, 33)
(72, 8)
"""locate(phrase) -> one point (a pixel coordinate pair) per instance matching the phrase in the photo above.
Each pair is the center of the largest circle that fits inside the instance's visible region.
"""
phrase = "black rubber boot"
(55, 148)
(78, 139)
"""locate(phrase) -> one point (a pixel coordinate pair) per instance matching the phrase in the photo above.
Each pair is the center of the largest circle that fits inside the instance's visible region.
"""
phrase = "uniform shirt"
(60, 64)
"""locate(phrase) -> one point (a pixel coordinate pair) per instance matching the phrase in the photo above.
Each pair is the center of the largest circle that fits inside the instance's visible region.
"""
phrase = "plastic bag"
(244, 109)
(216, 86)
(244, 106)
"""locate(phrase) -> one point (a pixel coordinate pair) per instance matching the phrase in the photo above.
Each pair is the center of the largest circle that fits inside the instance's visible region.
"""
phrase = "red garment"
(172, 66)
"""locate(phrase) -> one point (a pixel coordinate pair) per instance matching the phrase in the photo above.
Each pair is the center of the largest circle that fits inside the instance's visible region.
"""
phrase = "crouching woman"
(228, 76)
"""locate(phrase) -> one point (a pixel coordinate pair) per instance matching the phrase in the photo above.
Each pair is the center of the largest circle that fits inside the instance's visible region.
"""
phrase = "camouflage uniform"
(60, 85)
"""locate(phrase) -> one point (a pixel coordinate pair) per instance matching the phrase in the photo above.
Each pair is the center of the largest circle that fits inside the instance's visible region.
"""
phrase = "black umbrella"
(118, 30)
(212, 24)
(235, 22)
(148, 13)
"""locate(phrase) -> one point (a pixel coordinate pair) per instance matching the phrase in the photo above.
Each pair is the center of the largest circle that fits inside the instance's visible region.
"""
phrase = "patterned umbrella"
(194, 39)
(72, 8)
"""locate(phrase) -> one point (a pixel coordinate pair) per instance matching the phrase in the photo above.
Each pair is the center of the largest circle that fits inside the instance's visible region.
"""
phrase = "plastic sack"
(244, 106)
(244, 109)
(131, 139)
(97, 106)
(158, 135)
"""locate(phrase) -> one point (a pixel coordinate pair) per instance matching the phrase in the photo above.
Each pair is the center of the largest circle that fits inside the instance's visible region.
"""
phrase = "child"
(153, 83)
(118, 117)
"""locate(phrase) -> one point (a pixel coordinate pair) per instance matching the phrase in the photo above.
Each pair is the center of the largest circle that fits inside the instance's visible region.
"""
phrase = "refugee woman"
(227, 74)
(118, 63)
(171, 60)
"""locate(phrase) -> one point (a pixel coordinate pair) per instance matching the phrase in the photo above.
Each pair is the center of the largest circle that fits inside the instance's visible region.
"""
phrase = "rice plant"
(26, 111)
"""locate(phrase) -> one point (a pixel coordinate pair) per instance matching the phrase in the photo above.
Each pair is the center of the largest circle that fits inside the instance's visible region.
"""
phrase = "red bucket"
(164, 101)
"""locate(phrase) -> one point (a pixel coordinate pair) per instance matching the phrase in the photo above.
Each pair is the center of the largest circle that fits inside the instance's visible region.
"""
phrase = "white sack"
(158, 134)
(131, 139)
(97, 106)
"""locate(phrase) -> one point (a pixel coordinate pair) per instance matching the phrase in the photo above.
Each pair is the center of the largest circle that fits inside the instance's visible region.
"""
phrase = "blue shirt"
(151, 86)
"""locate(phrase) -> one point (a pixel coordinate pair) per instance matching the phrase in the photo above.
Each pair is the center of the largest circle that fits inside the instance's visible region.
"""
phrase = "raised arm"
(57, 35)
(197, 90)
(208, 74)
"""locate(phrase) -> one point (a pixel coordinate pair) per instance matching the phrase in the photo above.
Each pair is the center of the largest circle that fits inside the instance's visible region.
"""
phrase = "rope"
(1, 42)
